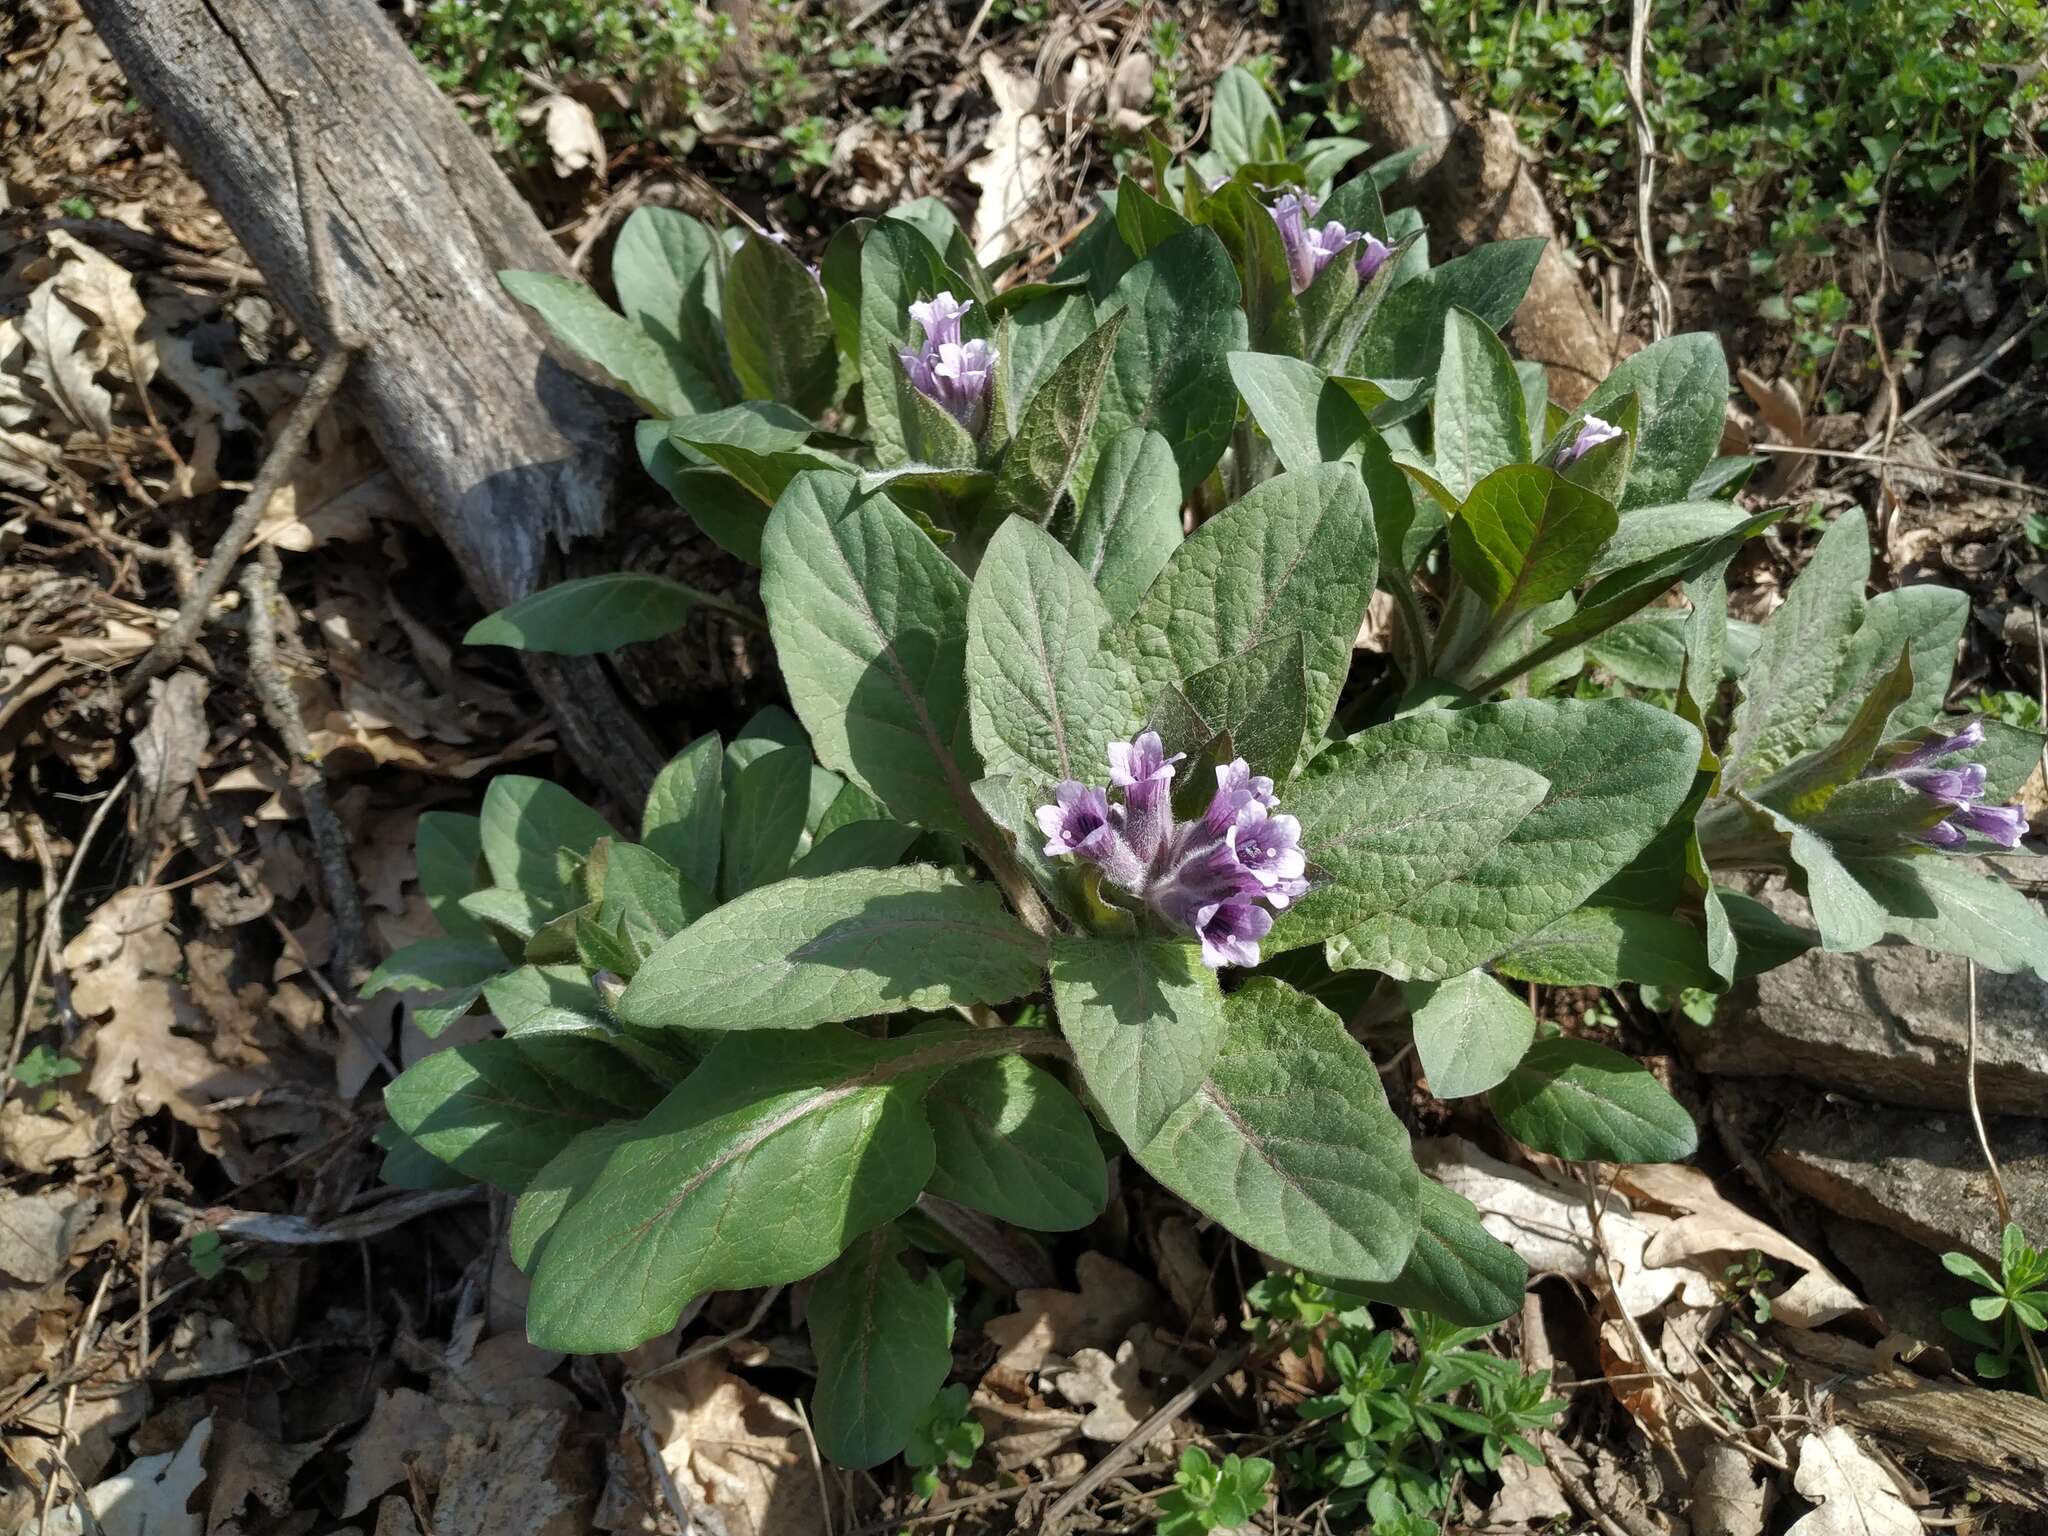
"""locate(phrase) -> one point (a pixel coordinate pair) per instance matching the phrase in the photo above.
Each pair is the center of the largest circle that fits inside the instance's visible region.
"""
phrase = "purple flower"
(1230, 932)
(1219, 877)
(1309, 249)
(1592, 433)
(1958, 788)
(956, 374)
(1372, 255)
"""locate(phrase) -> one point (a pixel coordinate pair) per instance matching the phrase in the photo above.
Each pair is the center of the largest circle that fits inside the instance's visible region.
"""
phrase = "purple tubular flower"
(1592, 433)
(1372, 255)
(2005, 825)
(1220, 877)
(1935, 748)
(1309, 249)
(1143, 771)
(956, 374)
(1958, 789)
(1230, 932)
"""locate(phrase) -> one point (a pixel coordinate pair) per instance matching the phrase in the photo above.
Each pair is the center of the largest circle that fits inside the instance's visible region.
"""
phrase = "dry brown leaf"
(69, 1132)
(169, 750)
(66, 372)
(1020, 1427)
(38, 1233)
(1857, 1497)
(1813, 1300)
(1112, 1390)
(122, 964)
(105, 290)
(147, 1498)
(1727, 1499)
(1550, 1225)
(733, 1451)
(1015, 167)
(572, 134)
(1111, 1301)
(247, 1465)
(520, 1480)
(1530, 1498)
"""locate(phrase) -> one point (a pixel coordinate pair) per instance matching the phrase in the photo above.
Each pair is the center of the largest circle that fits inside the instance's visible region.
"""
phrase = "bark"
(1470, 185)
(501, 447)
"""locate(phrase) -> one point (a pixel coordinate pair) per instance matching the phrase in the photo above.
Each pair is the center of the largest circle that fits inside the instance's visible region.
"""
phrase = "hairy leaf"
(1575, 1099)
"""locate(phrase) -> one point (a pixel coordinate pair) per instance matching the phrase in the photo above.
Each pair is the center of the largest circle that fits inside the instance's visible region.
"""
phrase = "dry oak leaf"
(148, 1498)
(1857, 1497)
(738, 1455)
(1110, 1302)
(1112, 1390)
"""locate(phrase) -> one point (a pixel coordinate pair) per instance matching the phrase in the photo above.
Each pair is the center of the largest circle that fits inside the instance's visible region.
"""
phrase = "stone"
(1918, 1173)
(1897, 1279)
(1888, 1023)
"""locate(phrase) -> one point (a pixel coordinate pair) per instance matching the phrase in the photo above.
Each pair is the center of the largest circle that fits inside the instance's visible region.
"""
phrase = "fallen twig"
(1961, 381)
(1646, 172)
(1858, 456)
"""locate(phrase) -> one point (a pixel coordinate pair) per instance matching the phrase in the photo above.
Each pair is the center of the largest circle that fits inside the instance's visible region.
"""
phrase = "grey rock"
(1917, 1173)
(1903, 1282)
(1888, 1023)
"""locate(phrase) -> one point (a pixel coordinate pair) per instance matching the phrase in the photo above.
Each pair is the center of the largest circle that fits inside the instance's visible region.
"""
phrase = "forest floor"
(212, 1315)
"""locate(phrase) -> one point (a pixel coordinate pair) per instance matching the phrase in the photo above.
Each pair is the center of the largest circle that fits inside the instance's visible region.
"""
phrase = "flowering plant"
(1093, 822)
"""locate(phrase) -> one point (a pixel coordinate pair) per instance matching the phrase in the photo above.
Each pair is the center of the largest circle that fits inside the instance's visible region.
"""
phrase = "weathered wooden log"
(502, 448)
(1470, 183)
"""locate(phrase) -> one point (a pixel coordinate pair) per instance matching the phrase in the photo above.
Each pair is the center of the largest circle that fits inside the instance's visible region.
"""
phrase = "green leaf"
(897, 265)
(1805, 786)
(883, 1342)
(1470, 1031)
(499, 1109)
(1458, 1269)
(1143, 221)
(1145, 1020)
(437, 965)
(1605, 946)
(839, 271)
(1927, 623)
(870, 627)
(509, 911)
(1273, 320)
(1405, 339)
(1382, 828)
(1618, 771)
(684, 810)
(729, 514)
(647, 893)
(815, 951)
(764, 819)
(1130, 519)
(666, 267)
(1653, 548)
(1290, 1143)
(1682, 384)
(1244, 128)
(632, 359)
(1036, 338)
(1046, 694)
(1014, 1143)
(1644, 653)
(593, 614)
(856, 845)
(1283, 393)
(1055, 432)
(448, 850)
(1574, 1099)
(408, 1165)
(1479, 425)
(1790, 684)
(778, 329)
(536, 835)
(1956, 906)
(565, 1177)
(1297, 552)
(1260, 698)
(816, 1142)
(547, 1000)
(2010, 754)
(1168, 369)
(1525, 537)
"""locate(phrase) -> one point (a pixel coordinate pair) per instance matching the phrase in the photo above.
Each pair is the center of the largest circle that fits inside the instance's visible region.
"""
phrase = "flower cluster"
(1220, 877)
(955, 373)
(1310, 249)
(1960, 788)
(1591, 434)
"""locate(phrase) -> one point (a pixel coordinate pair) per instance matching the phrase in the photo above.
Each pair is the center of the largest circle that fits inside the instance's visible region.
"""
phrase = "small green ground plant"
(1088, 809)
(1781, 126)
(673, 71)
(2009, 1320)
(1207, 1496)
